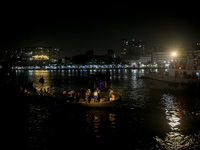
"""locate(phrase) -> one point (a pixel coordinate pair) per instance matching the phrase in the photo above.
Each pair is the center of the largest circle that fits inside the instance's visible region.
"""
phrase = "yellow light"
(40, 57)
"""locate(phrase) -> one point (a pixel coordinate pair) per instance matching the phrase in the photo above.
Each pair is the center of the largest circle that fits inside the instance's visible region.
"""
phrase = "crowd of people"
(86, 95)
(71, 95)
(94, 87)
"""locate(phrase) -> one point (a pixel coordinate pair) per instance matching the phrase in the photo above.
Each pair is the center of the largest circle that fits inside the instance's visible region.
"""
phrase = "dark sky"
(76, 28)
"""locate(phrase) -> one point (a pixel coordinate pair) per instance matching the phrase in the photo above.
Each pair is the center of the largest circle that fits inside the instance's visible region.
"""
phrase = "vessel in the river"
(41, 80)
(101, 104)
(182, 74)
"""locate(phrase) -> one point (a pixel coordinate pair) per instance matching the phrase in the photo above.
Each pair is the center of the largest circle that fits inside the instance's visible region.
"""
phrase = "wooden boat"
(101, 104)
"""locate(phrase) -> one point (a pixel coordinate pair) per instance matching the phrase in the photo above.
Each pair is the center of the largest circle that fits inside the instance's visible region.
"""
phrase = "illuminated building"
(161, 57)
(32, 56)
(132, 49)
(184, 59)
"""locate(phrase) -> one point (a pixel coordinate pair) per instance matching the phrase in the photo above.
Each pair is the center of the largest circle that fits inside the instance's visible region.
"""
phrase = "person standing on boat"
(45, 92)
(71, 95)
(64, 93)
(87, 95)
(110, 93)
(48, 91)
(112, 97)
(41, 92)
(89, 99)
(106, 98)
(25, 91)
(77, 95)
(98, 91)
(95, 96)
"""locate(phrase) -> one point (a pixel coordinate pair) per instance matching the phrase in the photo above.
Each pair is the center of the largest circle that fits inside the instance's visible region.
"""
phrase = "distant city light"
(39, 57)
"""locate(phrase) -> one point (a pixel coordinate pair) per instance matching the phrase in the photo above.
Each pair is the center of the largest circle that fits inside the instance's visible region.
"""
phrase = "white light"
(174, 54)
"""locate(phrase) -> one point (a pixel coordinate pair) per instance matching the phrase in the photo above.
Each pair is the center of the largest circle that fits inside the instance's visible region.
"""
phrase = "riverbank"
(88, 68)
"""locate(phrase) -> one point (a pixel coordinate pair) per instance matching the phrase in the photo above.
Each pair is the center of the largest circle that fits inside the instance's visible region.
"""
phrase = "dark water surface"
(144, 119)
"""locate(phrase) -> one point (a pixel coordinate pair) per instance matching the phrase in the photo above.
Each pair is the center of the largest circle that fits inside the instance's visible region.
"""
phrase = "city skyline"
(77, 29)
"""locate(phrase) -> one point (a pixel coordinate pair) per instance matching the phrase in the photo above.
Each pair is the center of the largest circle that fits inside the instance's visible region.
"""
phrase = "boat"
(41, 80)
(183, 73)
(101, 104)
(160, 81)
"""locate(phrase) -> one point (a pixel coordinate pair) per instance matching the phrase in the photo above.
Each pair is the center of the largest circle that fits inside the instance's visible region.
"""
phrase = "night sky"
(76, 28)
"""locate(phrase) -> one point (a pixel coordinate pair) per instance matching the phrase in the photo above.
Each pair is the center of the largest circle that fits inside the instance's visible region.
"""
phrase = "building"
(131, 50)
(183, 58)
(145, 59)
(34, 56)
(111, 53)
(161, 57)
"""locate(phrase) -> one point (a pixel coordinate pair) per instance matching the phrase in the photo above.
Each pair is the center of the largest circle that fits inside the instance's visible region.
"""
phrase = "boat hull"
(99, 105)
(155, 81)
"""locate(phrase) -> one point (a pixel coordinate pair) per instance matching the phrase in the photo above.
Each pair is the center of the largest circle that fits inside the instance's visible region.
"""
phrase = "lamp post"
(174, 54)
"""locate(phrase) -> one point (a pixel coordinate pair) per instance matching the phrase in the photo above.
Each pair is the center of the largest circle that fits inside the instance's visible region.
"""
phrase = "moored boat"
(183, 74)
(158, 81)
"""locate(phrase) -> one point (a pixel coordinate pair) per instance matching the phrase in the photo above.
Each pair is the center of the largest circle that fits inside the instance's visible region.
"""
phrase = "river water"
(144, 119)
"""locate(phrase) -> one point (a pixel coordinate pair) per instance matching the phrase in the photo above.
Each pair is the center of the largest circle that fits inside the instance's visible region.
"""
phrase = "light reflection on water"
(37, 74)
(38, 130)
(176, 137)
(156, 119)
(99, 122)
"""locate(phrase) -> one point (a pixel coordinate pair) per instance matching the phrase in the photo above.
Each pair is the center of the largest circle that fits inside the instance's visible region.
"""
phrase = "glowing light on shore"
(40, 57)
(174, 54)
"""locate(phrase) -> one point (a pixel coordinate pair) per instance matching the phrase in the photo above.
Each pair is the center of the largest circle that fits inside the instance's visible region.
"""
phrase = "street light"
(174, 54)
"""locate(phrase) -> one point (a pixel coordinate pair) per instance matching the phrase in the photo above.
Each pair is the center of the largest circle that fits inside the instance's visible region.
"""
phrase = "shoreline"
(86, 68)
